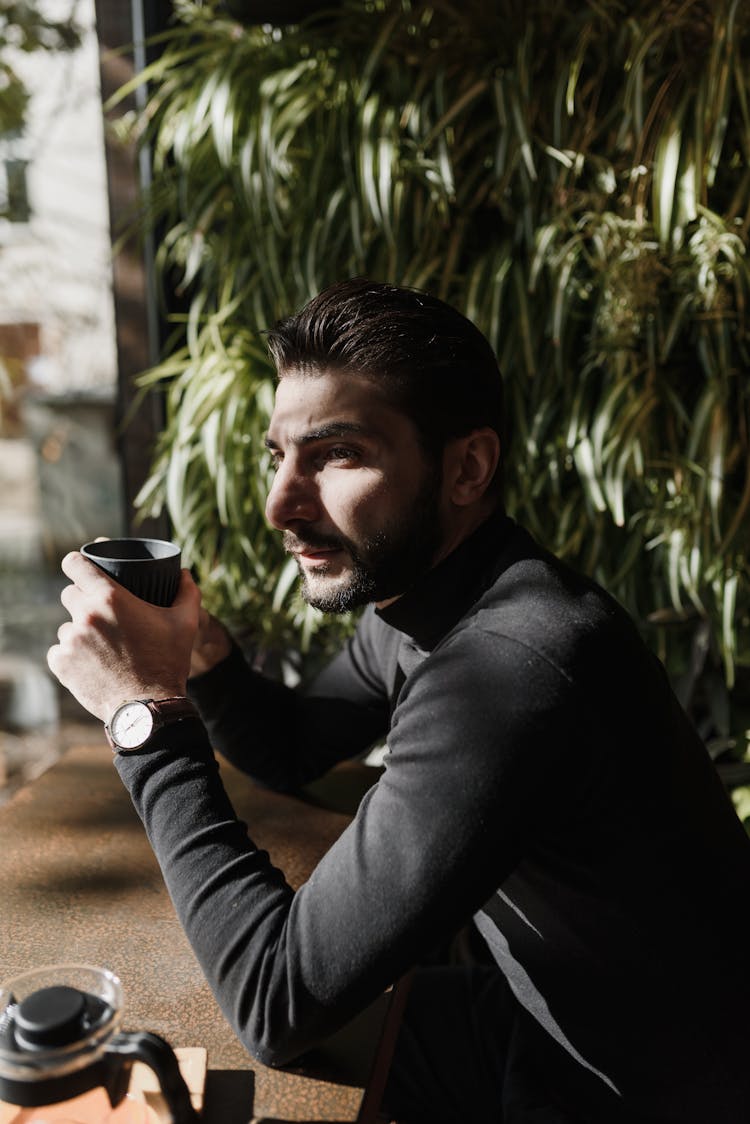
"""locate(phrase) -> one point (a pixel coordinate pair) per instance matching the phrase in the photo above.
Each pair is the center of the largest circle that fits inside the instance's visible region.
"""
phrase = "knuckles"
(91, 618)
(88, 611)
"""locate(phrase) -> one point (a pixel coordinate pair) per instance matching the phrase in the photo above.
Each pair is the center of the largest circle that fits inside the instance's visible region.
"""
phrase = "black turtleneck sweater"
(541, 778)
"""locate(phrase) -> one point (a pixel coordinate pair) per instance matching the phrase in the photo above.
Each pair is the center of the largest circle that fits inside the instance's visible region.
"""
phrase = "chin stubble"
(382, 567)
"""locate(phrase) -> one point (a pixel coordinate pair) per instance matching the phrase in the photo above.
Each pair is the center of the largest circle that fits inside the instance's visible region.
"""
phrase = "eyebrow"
(322, 433)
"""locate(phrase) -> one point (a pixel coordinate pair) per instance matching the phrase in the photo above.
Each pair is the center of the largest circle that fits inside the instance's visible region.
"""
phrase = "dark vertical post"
(123, 30)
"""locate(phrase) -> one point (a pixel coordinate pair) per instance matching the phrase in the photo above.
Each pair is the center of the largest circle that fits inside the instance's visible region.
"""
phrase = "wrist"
(139, 690)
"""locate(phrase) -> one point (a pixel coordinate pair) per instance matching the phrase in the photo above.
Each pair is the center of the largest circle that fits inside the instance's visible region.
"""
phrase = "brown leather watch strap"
(172, 709)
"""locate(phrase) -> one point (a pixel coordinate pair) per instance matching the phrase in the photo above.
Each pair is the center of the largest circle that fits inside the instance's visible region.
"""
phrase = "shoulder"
(537, 604)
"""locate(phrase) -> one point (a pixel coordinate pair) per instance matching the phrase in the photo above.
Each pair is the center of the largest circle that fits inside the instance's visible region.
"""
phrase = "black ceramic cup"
(149, 568)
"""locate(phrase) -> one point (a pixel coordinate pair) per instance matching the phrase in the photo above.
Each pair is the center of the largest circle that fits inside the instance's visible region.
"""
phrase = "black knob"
(52, 1016)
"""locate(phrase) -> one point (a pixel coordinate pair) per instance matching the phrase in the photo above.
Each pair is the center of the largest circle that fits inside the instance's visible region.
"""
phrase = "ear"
(469, 464)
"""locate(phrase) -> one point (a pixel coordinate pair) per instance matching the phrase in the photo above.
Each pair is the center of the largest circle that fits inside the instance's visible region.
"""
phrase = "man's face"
(354, 494)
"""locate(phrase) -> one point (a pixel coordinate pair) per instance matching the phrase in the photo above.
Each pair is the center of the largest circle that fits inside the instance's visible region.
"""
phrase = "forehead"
(306, 402)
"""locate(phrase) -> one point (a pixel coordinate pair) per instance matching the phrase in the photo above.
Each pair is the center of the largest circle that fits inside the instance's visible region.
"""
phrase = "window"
(16, 207)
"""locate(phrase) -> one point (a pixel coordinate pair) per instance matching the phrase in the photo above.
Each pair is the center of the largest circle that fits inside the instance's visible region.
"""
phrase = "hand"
(211, 645)
(118, 647)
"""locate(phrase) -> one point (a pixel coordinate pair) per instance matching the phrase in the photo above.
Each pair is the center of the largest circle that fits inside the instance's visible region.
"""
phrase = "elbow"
(275, 1050)
(272, 1031)
(271, 1008)
(275, 1055)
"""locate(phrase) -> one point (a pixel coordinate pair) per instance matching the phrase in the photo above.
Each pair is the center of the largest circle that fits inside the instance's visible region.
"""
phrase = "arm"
(431, 842)
(447, 822)
(285, 738)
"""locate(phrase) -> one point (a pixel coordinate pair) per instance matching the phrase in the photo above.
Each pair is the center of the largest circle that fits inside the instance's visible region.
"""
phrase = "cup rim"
(92, 550)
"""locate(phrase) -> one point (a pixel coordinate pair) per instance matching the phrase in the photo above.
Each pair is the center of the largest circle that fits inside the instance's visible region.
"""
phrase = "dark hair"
(431, 361)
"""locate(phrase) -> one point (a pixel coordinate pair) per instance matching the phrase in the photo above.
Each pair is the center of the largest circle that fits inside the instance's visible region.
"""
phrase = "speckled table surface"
(78, 882)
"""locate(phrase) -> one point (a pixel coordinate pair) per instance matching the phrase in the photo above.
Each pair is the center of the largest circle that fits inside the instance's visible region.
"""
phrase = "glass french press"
(63, 1057)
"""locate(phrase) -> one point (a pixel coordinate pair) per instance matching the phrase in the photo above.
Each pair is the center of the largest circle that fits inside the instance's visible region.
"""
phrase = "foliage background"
(573, 176)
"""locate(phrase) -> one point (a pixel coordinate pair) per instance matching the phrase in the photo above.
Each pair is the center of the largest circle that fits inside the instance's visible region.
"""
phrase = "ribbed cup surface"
(149, 568)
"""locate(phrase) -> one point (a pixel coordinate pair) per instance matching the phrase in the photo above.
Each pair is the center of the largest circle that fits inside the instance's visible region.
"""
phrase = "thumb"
(188, 595)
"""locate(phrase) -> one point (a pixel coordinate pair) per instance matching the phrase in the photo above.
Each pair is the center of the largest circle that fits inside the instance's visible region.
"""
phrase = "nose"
(292, 498)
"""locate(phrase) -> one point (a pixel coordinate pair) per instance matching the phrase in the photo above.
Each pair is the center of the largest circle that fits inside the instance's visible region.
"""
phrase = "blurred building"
(60, 478)
(57, 345)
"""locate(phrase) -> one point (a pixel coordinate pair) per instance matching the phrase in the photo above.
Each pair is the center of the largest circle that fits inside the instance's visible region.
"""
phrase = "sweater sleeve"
(430, 843)
(285, 738)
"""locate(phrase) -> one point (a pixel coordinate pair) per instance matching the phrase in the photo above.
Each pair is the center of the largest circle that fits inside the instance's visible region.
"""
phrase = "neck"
(460, 525)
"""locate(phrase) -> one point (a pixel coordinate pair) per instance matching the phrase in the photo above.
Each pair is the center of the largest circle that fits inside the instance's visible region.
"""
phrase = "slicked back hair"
(429, 360)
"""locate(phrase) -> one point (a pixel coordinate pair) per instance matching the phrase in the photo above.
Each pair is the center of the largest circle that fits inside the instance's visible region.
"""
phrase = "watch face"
(131, 725)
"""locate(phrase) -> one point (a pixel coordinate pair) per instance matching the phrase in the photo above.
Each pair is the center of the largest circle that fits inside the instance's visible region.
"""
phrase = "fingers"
(83, 573)
(55, 655)
(93, 596)
(71, 598)
(92, 585)
(65, 633)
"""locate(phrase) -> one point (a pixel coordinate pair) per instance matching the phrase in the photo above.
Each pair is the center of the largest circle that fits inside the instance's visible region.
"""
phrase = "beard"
(383, 565)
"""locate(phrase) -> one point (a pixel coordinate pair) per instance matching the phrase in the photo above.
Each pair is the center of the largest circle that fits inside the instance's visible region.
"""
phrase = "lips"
(312, 547)
(316, 555)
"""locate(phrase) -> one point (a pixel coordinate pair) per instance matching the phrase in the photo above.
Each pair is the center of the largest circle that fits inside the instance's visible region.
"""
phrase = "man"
(541, 778)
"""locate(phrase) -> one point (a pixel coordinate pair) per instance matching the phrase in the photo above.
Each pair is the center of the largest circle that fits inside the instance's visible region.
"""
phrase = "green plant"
(576, 178)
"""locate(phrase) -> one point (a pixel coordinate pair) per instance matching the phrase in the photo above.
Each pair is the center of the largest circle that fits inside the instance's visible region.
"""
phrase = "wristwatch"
(135, 722)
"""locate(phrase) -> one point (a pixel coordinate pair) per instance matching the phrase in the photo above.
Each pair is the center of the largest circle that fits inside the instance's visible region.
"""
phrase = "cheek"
(353, 502)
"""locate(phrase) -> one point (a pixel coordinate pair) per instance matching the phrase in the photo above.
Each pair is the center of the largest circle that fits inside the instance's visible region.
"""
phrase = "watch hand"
(135, 722)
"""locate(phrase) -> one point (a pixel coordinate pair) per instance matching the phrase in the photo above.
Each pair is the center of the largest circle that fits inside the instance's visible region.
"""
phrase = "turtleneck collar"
(427, 611)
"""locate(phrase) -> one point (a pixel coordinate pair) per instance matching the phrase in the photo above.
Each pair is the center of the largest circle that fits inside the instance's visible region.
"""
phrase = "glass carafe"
(65, 1060)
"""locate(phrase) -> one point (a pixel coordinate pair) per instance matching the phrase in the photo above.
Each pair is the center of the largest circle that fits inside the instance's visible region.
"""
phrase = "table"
(79, 883)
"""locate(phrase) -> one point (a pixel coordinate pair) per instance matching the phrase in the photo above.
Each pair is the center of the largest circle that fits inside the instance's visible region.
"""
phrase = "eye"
(340, 453)
(275, 458)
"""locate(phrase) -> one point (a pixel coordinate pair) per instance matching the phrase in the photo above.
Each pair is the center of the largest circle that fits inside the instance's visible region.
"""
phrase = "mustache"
(312, 541)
